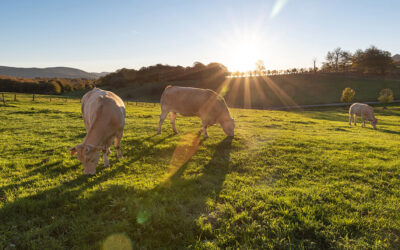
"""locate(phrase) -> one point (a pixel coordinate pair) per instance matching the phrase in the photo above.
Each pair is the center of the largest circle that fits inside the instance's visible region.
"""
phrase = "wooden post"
(4, 100)
(15, 97)
(50, 99)
(33, 97)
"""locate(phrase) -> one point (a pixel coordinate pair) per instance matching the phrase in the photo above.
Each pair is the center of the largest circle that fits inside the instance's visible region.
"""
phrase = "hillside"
(274, 91)
(53, 72)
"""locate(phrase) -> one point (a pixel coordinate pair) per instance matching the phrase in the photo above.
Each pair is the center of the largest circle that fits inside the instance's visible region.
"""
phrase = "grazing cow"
(103, 113)
(365, 111)
(204, 103)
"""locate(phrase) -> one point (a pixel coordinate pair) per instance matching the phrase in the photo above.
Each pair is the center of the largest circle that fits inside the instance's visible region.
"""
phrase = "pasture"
(300, 179)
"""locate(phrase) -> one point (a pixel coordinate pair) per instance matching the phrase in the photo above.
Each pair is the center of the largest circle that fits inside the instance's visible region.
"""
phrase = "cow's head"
(228, 125)
(88, 155)
(374, 122)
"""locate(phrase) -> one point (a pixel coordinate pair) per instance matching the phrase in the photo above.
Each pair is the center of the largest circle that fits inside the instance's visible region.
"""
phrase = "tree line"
(163, 73)
(371, 61)
(43, 85)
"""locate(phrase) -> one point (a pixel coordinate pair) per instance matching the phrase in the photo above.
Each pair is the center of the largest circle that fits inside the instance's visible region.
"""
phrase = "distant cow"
(204, 103)
(365, 111)
(103, 113)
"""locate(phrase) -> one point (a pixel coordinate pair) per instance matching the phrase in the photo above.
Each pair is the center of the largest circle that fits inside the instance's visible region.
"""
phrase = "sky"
(98, 35)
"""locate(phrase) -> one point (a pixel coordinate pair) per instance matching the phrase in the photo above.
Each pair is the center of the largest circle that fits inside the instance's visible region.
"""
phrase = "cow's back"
(187, 101)
(98, 102)
(361, 109)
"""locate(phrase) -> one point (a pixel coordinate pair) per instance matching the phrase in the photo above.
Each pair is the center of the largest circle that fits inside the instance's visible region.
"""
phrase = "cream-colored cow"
(103, 113)
(204, 103)
(365, 111)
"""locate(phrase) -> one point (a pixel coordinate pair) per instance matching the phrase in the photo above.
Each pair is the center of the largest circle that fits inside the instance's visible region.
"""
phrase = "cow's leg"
(350, 119)
(355, 120)
(205, 129)
(106, 152)
(117, 143)
(172, 116)
(163, 115)
(363, 121)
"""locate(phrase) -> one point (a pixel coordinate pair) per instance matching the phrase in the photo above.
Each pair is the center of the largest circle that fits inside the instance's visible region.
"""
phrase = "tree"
(372, 61)
(337, 60)
(385, 97)
(347, 95)
(260, 67)
(314, 64)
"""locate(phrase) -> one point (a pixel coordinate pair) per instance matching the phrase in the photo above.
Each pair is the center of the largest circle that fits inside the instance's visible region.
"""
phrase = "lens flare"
(187, 147)
(117, 241)
(278, 6)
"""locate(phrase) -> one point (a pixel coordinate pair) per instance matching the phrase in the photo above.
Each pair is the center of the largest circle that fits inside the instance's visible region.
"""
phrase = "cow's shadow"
(168, 212)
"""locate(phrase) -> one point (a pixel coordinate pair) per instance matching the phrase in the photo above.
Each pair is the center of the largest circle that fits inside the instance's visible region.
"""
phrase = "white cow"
(204, 103)
(103, 113)
(365, 111)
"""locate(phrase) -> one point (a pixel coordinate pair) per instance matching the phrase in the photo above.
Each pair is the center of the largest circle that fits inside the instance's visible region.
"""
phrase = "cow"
(103, 113)
(203, 103)
(365, 111)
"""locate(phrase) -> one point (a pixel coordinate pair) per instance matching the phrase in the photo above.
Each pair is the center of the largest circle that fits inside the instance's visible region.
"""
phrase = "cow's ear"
(73, 150)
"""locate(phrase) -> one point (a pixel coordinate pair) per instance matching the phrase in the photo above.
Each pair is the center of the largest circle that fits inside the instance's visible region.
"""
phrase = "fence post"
(4, 100)
(33, 97)
(15, 97)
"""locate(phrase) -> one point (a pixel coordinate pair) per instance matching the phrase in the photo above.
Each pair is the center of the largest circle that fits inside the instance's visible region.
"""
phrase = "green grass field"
(286, 180)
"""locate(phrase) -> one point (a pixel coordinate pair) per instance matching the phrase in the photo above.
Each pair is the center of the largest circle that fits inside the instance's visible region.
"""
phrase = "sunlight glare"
(243, 54)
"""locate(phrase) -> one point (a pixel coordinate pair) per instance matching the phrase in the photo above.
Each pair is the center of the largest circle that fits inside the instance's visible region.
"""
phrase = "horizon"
(126, 34)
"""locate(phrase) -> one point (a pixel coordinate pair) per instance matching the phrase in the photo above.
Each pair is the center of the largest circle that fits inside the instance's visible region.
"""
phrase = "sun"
(243, 54)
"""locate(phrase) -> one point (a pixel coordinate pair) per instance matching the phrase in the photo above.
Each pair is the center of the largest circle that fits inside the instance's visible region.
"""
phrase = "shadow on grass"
(328, 115)
(165, 216)
(174, 206)
(388, 131)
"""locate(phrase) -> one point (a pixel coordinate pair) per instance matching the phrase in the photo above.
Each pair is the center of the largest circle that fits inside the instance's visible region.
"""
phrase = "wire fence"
(8, 98)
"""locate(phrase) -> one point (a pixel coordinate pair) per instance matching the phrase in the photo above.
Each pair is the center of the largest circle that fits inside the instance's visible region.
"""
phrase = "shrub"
(385, 97)
(347, 95)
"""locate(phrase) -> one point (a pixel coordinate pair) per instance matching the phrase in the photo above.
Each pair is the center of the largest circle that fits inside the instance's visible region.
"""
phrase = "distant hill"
(396, 57)
(100, 74)
(53, 72)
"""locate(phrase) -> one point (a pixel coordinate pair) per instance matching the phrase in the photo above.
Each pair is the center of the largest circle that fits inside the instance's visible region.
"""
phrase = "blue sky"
(108, 35)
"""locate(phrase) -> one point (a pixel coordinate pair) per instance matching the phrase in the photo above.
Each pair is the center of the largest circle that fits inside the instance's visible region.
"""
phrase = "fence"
(9, 98)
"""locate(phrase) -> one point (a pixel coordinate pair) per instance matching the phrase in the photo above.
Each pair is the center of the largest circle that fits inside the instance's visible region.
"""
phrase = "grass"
(286, 180)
